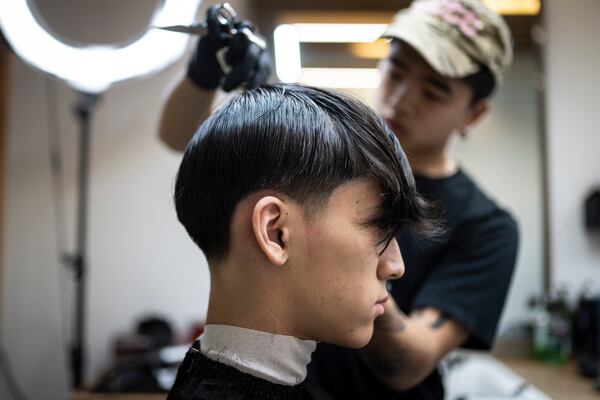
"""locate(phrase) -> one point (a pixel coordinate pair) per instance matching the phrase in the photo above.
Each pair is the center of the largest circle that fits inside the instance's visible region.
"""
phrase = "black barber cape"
(200, 378)
(465, 275)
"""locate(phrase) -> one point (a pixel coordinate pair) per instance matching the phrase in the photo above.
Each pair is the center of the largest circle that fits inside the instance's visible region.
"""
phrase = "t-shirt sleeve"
(471, 279)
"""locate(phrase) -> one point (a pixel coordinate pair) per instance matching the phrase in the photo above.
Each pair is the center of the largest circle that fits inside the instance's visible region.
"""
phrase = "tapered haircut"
(299, 141)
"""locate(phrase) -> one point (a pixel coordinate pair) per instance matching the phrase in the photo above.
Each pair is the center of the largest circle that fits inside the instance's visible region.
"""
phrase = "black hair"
(482, 84)
(302, 142)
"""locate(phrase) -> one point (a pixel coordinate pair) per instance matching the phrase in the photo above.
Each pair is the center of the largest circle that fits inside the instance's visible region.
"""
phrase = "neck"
(239, 300)
(433, 165)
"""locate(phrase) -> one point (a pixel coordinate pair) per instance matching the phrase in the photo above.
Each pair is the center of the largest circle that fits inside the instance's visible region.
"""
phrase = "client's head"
(295, 195)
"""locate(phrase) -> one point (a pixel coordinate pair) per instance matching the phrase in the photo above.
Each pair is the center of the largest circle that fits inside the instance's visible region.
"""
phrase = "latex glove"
(249, 63)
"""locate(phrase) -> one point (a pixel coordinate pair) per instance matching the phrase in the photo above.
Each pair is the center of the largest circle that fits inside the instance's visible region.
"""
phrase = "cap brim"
(440, 52)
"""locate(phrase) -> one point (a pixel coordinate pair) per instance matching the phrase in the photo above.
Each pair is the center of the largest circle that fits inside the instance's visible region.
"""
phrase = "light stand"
(78, 261)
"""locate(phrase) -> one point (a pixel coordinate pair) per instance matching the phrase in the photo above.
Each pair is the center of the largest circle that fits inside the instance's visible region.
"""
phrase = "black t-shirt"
(466, 275)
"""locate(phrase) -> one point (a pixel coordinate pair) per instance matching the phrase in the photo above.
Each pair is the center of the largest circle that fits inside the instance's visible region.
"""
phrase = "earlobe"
(269, 224)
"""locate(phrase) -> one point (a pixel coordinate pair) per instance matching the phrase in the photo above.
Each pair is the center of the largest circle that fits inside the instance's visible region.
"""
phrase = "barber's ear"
(475, 113)
(270, 226)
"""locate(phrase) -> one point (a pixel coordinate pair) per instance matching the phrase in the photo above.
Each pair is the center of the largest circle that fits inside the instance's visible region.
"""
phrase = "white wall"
(573, 89)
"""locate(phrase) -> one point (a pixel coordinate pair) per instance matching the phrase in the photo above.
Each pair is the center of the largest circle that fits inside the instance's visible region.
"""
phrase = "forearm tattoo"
(392, 323)
(400, 325)
(402, 360)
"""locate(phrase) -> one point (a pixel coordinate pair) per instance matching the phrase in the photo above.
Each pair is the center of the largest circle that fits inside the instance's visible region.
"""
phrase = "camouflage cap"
(455, 36)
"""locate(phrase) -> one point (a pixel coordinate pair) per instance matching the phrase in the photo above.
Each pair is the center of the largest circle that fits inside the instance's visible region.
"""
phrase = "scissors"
(227, 18)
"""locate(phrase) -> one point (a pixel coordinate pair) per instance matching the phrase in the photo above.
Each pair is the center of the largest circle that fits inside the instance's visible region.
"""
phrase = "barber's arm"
(186, 107)
(189, 102)
(405, 349)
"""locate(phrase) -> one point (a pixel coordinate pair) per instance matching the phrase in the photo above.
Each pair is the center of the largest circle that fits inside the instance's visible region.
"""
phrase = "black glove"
(203, 68)
(250, 63)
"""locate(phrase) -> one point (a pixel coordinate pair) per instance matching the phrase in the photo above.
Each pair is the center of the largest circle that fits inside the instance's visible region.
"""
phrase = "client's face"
(340, 285)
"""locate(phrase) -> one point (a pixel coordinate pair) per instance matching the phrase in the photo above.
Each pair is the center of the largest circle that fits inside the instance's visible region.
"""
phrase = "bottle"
(560, 328)
(539, 322)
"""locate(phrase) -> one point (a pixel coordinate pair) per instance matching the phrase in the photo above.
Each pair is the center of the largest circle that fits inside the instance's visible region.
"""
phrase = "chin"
(357, 338)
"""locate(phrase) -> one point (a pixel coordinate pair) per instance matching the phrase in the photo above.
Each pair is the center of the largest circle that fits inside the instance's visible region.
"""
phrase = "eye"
(383, 243)
(383, 235)
(430, 95)
(377, 235)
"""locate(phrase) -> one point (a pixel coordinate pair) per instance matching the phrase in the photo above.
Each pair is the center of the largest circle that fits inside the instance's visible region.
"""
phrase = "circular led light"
(93, 69)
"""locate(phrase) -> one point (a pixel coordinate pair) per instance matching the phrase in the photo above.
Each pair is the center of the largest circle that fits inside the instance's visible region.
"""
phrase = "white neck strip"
(276, 358)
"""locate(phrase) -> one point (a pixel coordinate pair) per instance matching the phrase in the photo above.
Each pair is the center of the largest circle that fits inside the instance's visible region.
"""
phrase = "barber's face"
(422, 107)
(340, 283)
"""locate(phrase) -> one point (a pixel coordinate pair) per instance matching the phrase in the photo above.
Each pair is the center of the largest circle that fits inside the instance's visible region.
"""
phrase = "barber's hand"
(250, 64)
(204, 69)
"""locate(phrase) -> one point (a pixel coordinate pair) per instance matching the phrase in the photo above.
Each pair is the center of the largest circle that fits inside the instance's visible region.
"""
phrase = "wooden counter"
(560, 382)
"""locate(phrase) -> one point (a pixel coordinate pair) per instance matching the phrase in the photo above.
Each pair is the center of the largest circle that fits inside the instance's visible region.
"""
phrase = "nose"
(391, 264)
(403, 99)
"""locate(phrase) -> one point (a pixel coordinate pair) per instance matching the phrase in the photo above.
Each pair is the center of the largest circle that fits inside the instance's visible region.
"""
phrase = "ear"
(475, 113)
(270, 227)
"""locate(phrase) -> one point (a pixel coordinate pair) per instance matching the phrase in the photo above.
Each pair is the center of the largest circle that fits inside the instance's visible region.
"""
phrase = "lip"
(379, 306)
(399, 129)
